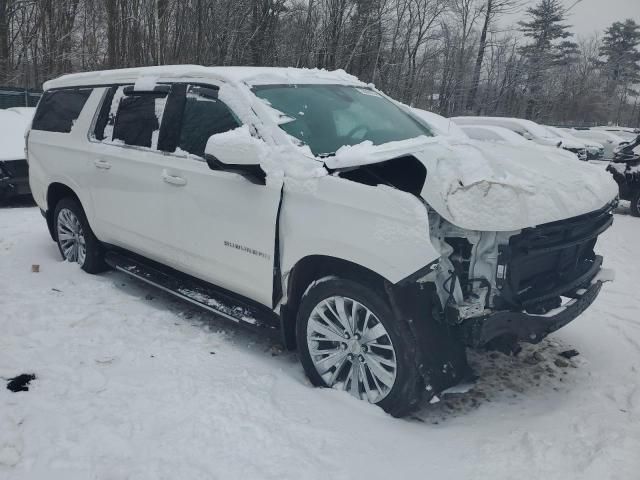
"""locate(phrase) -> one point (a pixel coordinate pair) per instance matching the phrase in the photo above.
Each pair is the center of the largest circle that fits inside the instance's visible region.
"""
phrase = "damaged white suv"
(308, 203)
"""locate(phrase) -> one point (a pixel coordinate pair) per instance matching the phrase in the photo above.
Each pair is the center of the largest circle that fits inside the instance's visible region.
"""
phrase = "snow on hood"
(493, 187)
(504, 188)
(13, 126)
(366, 152)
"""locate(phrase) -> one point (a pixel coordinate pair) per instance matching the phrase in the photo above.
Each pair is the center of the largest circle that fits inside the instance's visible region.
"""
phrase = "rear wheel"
(348, 339)
(75, 239)
(635, 203)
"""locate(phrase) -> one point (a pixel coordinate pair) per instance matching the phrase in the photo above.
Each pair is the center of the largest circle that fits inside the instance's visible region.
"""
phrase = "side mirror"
(235, 151)
(527, 135)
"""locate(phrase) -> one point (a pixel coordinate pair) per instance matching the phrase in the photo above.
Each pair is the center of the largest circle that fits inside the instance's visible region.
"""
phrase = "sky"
(589, 16)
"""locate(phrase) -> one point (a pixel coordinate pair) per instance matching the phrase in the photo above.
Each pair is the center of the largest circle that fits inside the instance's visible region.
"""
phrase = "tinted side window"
(104, 116)
(136, 121)
(203, 116)
(59, 109)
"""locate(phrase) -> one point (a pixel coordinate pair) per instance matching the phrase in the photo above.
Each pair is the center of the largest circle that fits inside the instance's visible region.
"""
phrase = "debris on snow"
(21, 382)
(569, 353)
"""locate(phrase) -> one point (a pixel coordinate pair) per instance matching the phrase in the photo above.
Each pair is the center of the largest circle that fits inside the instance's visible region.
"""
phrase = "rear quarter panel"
(64, 158)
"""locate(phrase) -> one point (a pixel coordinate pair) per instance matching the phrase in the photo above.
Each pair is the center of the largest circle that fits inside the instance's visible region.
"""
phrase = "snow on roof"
(13, 127)
(249, 75)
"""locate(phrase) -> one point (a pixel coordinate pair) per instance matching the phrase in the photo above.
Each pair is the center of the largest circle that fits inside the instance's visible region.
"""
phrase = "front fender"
(380, 228)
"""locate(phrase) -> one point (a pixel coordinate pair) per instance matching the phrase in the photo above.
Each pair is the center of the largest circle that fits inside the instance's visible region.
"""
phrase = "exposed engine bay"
(528, 270)
(534, 271)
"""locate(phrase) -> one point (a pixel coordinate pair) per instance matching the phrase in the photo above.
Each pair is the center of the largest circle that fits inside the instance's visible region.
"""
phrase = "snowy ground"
(132, 384)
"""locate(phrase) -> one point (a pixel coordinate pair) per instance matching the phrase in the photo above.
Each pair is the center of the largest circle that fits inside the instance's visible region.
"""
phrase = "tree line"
(449, 56)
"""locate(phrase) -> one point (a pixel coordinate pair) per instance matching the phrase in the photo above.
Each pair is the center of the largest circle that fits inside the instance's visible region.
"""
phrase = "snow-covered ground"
(132, 384)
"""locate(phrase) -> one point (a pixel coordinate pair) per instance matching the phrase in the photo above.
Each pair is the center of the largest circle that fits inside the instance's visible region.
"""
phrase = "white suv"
(308, 203)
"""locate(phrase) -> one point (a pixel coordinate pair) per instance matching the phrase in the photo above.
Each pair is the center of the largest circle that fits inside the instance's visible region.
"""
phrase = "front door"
(223, 227)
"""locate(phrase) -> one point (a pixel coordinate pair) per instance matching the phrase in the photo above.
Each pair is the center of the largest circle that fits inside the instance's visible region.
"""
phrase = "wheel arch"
(56, 192)
(312, 268)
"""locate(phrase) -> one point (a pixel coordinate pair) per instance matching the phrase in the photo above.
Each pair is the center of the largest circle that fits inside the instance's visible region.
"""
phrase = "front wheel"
(75, 239)
(349, 340)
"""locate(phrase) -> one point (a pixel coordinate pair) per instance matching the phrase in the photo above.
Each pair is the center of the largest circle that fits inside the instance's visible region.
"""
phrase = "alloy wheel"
(351, 349)
(71, 237)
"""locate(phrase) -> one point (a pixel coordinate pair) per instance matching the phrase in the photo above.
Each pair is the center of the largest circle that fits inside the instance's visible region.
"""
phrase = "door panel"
(127, 190)
(222, 227)
(127, 184)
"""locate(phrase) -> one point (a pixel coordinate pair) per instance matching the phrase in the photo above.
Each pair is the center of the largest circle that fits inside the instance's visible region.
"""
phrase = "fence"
(18, 97)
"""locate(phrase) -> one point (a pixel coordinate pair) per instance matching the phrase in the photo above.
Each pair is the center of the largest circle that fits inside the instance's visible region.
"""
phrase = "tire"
(635, 203)
(397, 345)
(70, 222)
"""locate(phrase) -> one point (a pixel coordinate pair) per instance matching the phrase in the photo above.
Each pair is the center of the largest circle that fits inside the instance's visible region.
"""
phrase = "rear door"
(222, 227)
(127, 186)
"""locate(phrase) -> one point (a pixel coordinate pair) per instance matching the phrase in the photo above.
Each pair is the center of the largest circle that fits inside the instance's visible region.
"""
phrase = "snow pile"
(13, 127)
(133, 384)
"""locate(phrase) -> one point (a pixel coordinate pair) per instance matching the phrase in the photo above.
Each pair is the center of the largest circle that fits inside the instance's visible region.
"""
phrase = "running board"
(200, 293)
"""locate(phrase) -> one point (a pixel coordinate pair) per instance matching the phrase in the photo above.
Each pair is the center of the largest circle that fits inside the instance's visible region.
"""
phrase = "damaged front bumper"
(532, 328)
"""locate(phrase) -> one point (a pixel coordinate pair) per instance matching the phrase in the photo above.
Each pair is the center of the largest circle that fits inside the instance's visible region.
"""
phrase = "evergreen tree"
(545, 28)
(620, 50)
(621, 56)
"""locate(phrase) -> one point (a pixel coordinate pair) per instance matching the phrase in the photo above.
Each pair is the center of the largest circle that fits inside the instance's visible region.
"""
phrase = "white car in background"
(14, 170)
(308, 203)
(609, 140)
(484, 133)
(492, 133)
(501, 135)
(440, 125)
(528, 129)
(595, 150)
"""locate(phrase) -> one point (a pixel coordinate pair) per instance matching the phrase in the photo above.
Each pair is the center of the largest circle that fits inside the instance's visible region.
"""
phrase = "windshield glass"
(327, 117)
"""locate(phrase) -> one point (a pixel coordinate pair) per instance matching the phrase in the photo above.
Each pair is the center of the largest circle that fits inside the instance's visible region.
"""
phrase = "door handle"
(103, 164)
(173, 179)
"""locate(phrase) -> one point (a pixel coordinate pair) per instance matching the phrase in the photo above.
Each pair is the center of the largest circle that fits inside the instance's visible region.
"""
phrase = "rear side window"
(130, 118)
(59, 109)
(136, 121)
(204, 115)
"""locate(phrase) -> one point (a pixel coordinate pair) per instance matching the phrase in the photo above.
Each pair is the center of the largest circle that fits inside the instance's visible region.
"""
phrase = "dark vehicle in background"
(14, 171)
(625, 169)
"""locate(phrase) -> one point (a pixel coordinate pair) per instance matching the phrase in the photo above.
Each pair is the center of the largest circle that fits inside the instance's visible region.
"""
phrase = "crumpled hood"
(493, 187)
(489, 187)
